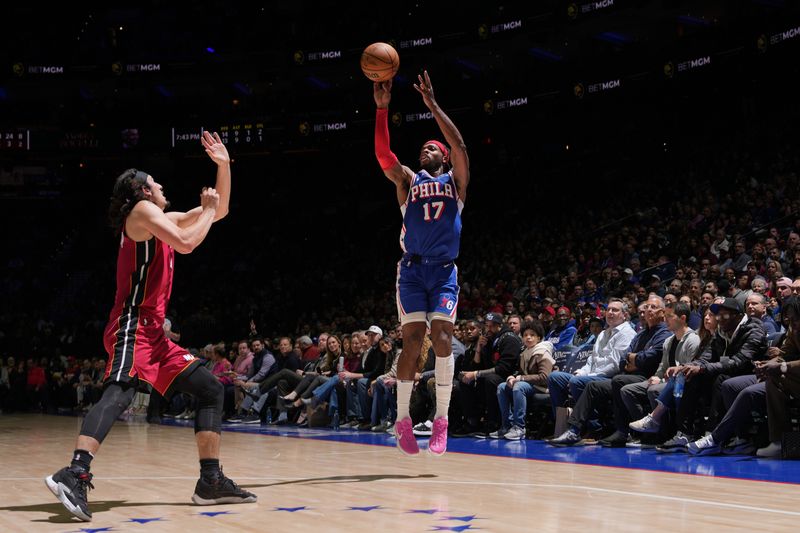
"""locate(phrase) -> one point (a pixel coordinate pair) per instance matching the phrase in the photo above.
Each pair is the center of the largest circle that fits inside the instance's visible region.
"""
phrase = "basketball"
(379, 62)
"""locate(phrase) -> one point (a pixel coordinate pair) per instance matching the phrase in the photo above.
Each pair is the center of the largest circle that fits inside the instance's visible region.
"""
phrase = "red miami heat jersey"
(144, 277)
(134, 337)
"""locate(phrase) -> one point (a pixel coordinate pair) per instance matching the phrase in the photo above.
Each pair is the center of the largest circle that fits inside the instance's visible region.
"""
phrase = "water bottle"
(677, 390)
(269, 416)
(336, 420)
(341, 364)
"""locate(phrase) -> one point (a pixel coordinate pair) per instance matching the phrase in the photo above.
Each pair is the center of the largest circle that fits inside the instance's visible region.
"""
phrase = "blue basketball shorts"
(426, 292)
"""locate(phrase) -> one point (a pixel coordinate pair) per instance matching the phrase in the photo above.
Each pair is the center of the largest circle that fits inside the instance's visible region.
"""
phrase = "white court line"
(487, 483)
(360, 452)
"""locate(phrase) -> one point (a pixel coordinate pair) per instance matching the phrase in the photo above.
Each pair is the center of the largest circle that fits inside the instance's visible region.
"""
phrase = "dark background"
(313, 230)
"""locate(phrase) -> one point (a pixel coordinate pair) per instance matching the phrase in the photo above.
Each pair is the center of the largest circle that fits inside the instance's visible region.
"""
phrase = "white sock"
(404, 389)
(444, 384)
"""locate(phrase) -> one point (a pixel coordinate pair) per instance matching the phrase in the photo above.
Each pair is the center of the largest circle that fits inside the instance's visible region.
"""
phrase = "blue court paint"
(365, 509)
(145, 520)
(214, 513)
(468, 518)
(290, 509)
(739, 467)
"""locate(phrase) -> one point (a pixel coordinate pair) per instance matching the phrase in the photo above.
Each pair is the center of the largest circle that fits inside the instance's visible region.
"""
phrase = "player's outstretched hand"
(215, 149)
(425, 89)
(382, 91)
(209, 198)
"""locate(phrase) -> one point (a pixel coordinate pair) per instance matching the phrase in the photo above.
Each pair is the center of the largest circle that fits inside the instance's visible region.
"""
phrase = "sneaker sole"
(58, 490)
(227, 499)
(704, 451)
(673, 449)
(437, 454)
(409, 454)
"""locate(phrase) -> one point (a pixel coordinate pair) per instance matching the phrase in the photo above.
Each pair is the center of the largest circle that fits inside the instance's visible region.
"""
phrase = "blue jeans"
(561, 383)
(327, 392)
(353, 404)
(666, 397)
(519, 398)
(364, 400)
(381, 403)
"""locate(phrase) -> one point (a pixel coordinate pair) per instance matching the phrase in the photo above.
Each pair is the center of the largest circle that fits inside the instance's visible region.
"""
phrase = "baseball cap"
(550, 311)
(628, 271)
(729, 303)
(375, 329)
(784, 282)
(497, 318)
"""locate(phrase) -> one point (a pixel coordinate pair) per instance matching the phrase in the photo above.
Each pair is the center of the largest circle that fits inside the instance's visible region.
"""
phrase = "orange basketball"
(379, 62)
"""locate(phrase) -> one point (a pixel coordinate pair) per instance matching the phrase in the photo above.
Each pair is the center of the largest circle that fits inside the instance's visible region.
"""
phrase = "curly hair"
(126, 194)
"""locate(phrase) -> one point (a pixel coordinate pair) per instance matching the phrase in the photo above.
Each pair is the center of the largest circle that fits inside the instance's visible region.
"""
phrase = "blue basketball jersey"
(432, 217)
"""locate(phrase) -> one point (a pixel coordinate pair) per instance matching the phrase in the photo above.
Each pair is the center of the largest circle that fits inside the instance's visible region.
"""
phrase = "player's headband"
(140, 177)
(443, 148)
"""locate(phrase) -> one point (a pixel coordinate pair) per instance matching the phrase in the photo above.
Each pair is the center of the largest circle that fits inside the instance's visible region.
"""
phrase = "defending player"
(137, 347)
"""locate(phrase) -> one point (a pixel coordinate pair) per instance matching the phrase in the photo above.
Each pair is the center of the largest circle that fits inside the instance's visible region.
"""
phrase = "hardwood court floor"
(145, 475)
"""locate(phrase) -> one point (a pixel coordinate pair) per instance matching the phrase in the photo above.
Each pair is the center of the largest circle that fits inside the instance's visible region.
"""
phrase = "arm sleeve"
(386, 158)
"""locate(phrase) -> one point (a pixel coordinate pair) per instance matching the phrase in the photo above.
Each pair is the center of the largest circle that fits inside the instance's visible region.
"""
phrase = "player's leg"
(70, 484)
(212, 487)
(412, 302)
(442, 316)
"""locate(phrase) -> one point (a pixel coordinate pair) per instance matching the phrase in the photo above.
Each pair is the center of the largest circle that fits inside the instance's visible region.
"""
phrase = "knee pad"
(116, 398)
(210, 396)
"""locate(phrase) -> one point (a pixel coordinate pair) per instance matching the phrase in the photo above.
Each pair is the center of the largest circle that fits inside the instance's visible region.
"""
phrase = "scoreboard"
(243, 134)
(15, 139)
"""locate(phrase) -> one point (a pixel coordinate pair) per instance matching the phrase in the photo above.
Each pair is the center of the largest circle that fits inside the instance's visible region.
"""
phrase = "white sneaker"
(499, 434)
(648, 424)
(423, 429)
(515, 433)
(183, 414)
(704, 446)
(773, 451)
(675, 444)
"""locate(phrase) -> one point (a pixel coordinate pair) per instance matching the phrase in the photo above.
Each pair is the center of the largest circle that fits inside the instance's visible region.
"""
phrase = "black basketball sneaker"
(70, 486)
(220, 490)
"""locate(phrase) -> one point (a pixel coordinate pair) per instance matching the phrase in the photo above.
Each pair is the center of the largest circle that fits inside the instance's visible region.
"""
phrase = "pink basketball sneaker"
(406, 441)
(438, 442)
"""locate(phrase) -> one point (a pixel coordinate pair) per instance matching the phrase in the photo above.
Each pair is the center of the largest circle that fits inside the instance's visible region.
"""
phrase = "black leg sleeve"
(210, 395)
(116, 398)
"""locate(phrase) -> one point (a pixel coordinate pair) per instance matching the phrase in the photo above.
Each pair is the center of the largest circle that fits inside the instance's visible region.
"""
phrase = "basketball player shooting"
(138, 350)
(430, 201)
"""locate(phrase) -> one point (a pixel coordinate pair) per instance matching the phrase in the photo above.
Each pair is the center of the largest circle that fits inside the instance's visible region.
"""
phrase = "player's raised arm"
(458, 150)
(219, 155)
(148, 217)
(399, 174)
